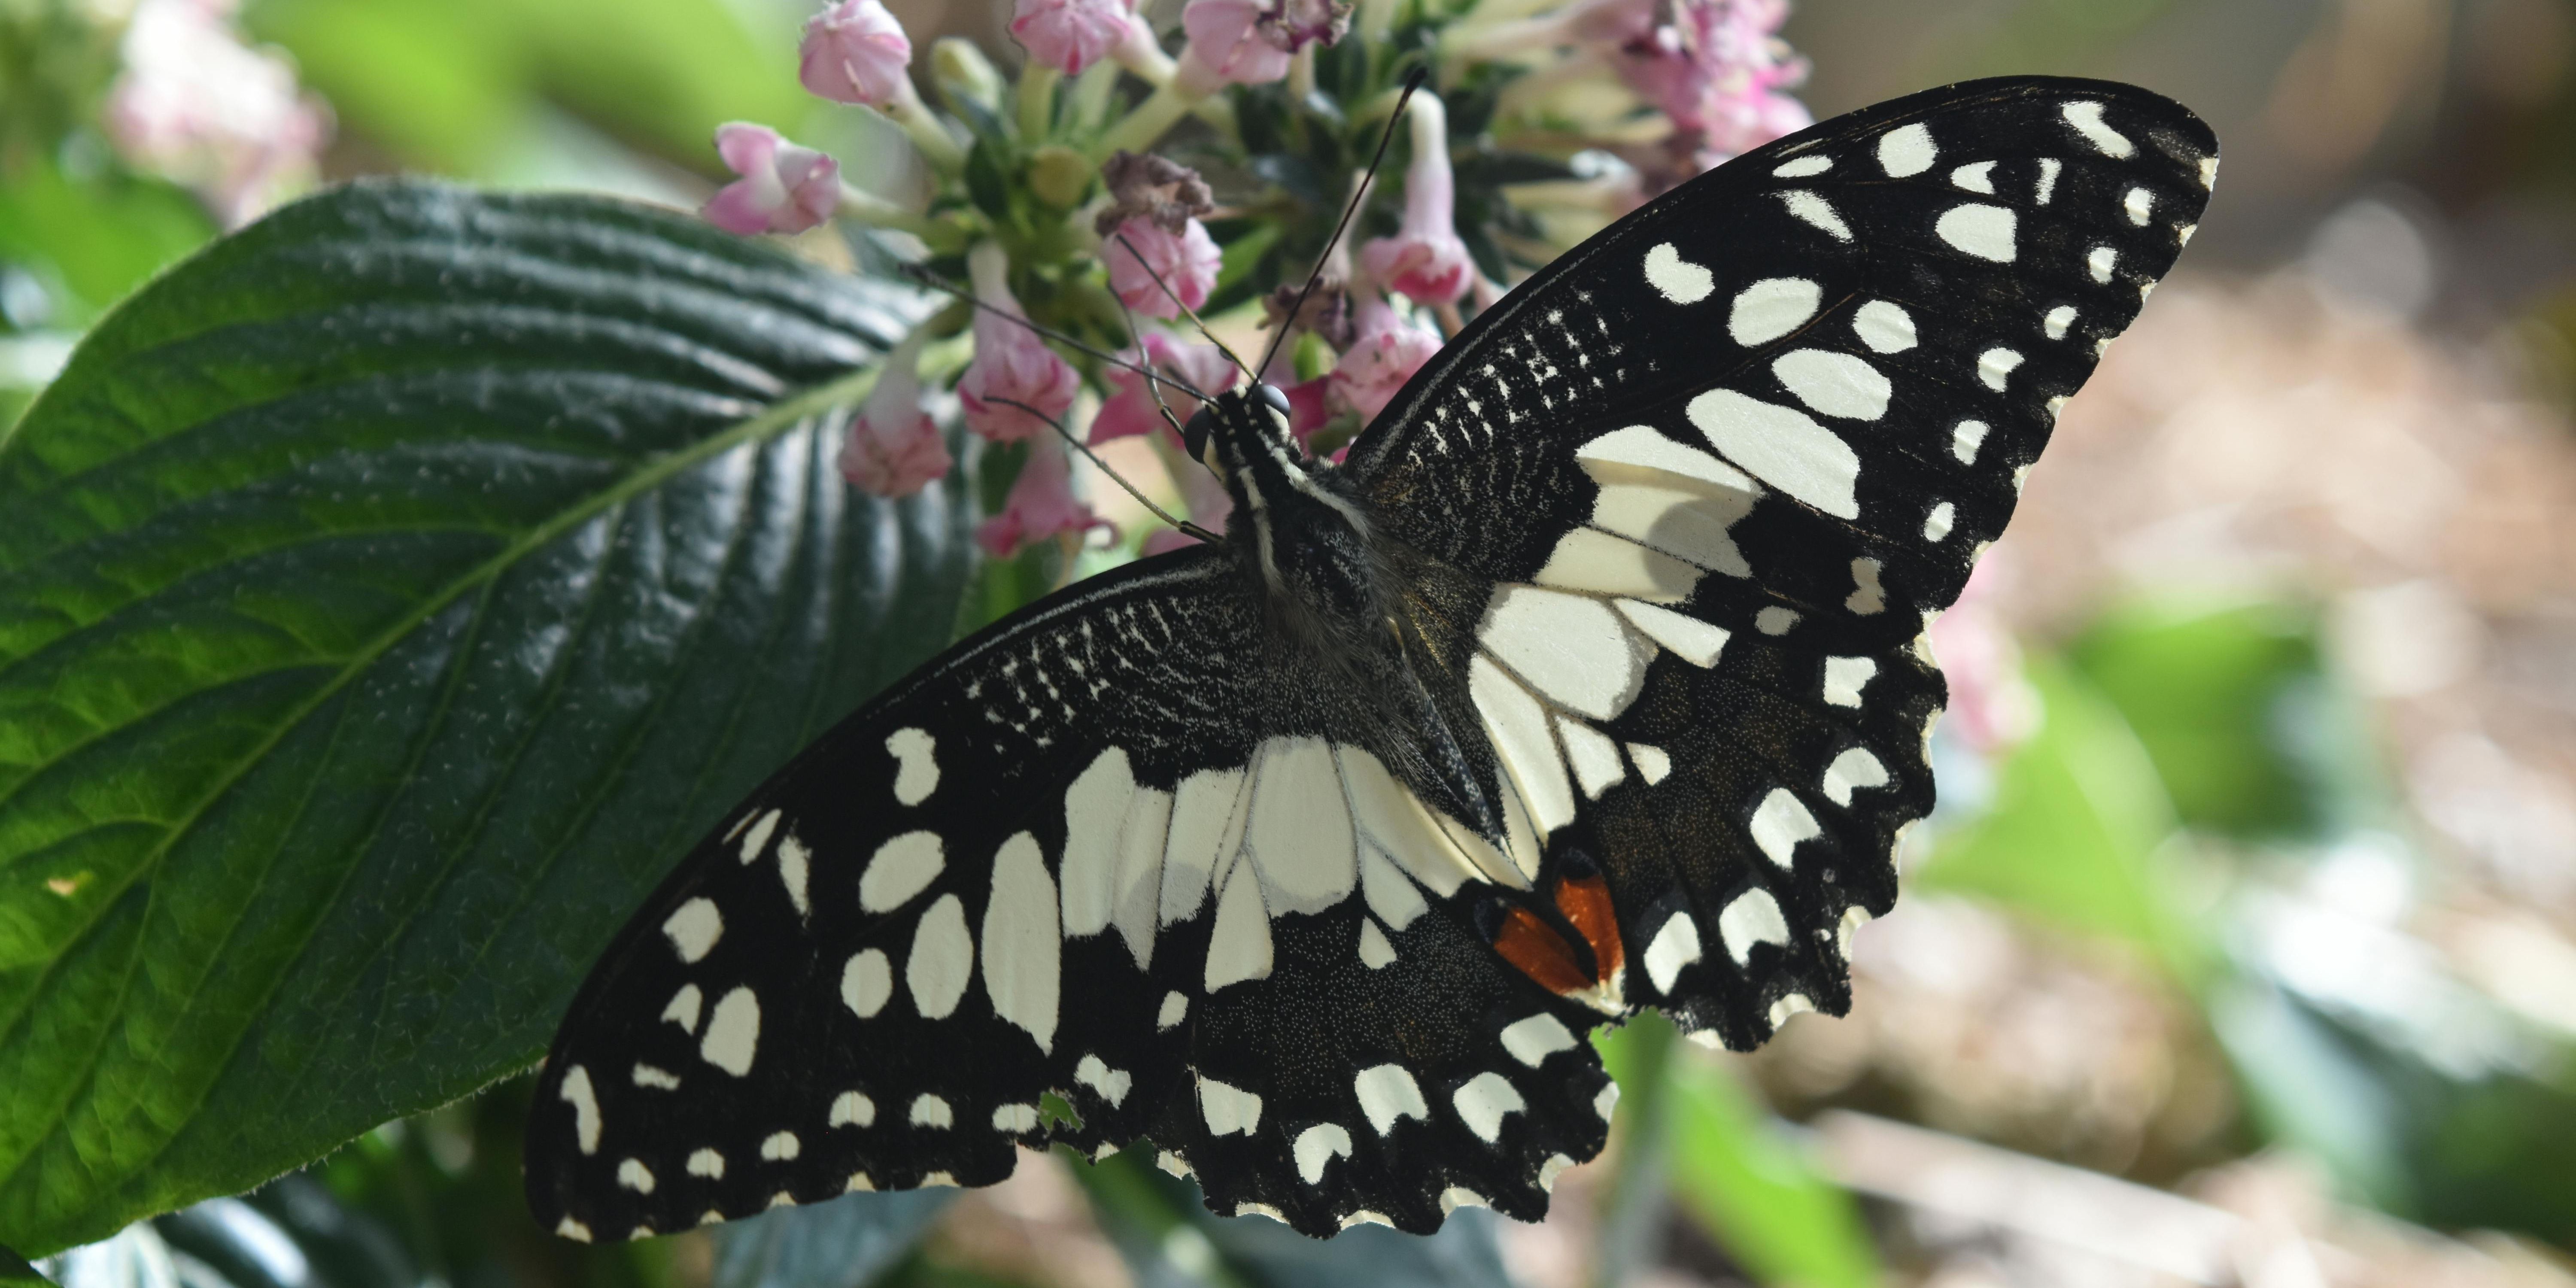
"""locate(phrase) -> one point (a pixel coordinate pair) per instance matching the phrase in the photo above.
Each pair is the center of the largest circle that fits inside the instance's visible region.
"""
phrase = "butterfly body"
(1592, 682)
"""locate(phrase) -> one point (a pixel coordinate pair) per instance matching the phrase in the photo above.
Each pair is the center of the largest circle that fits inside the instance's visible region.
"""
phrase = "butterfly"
(1593, 680)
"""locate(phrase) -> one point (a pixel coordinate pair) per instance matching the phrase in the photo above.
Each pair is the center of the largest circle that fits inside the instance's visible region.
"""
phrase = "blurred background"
(2242, 950)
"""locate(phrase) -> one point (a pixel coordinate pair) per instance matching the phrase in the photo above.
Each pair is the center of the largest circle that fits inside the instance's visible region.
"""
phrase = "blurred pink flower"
(1385, 353)
(1992, 704)
(1209, 505)
(892, 447)
(1130, 409)
(783, 188)
(1714, 66)
(1011, 362)
(1187, 262)
(1425, 259)
(1309, 406)
(1041, 506)
(196, 105)
(1069, 35)
(1249, 42)
(855, 52)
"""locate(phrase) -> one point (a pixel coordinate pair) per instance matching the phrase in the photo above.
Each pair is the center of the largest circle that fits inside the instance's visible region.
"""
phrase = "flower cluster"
(1091, 251)
(195, 104)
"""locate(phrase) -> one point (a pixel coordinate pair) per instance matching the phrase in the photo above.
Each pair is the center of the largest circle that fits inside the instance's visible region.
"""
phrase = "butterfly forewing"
(1675, 514)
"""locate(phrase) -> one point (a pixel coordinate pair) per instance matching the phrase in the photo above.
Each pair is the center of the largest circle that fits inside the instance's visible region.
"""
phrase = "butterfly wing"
(1117, 850)
(1756, 434)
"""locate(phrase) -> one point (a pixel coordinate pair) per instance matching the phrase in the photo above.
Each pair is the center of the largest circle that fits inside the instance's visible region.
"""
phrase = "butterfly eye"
(1270, 394)
(1194, 435)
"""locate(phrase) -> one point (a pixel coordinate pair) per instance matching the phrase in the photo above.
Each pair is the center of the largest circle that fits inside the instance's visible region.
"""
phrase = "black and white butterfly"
(1593, 681)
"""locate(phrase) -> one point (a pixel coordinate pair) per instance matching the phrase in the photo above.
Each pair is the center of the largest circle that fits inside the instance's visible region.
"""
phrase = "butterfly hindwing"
(1743, 443)
(1107, 852)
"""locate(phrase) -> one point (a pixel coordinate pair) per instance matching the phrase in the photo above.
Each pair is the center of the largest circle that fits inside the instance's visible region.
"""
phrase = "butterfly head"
(1238, 427)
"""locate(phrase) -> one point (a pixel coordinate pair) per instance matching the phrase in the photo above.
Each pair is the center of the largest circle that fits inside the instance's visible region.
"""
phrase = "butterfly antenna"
(1186, 311)
(1051, 333)
(1121, 479)
(1288, 323)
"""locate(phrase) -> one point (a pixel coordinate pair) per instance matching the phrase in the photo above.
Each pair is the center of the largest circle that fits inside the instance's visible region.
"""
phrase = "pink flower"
(1069, 35)
(892, 447)
(1993, 707)
(1249, 42)
(1385, 354)
(1425, 259)
(1130, 410)
(855, 52)
(1041, 506)
(196, 105)
(783, 188)
(1012, 365)
(1714, 66)
(1187, 261)
(1309, 406)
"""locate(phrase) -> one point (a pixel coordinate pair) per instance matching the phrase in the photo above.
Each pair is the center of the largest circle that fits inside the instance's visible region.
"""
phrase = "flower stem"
(865, 207)
(1159, 112)
(931, 138)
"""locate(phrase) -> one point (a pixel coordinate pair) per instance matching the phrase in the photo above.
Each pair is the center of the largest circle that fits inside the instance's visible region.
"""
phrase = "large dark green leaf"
(387, 595)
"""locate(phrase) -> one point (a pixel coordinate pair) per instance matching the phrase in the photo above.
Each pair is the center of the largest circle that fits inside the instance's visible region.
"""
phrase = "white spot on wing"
(758, 838)
(1022, 948)
(733, 1033)
(707, 1163)
(1976, 176)
(1936, 525)
(1533, 1039)
(1884, 327)
(2099, 263)
(634, 1175)
(1652, 764)
(1780, 823)
(1836, 384)
(1753, 917)
(2058, 319)
(1300, 835)
(659, 1079)
(1387, 1094)
(1095, 810)
(571, 1229)
(1571, 648)
(1485, 1101)
(1995, 367)
(2048, 168)
(1592, 756)
(1015, 1119)
(2087, 120)
(1176, 1007)
(1844, 677)
(1790, 1006)
(1851, 771)
(1207, 819)
(1906, 151)
(852, 1109)
(943, 958)
(1816, 210)
(683, 1008)
(693, 928)
(1689, 638)
(932, 1111)
(1517, 725)
(916, 765)
(1681, 281)
(1775, 620)
(1805, 167)
(1319, 1145)
(1980, 230)
(2137, 205)
(1239, 945)
(1111, 1084)
(1228, 1109)
(1375, 952)
(792, 856)
(867, 980)
(1867, 595)
(576, 1091)
(1783, 447)
(1674, 946)
(1965, 440)
(1606, 1100)
(901, 868)
(780, 1147)
(1772, 308)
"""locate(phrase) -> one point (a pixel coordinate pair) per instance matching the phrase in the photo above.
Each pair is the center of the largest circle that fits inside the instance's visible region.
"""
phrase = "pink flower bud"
(892, 448)
(1012, 365)
(1187, 261)
(1069, 35)
(1130, 409)
(783, 188)
(1227, 45)
(1385, 354)
(1425, 259)
(855, 52)
(1714, 66)
(1041, 506)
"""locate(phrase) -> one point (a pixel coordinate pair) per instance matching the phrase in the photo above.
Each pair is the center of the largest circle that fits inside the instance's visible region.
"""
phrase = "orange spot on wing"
(1540, 953)
(1586, 903)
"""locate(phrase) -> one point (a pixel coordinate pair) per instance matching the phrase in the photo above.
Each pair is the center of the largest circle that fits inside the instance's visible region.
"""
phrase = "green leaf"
(2224, 699)
(841, 1244)
(1733, 1168)
(388, 596)
(16, 1273)
(2072, 836)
